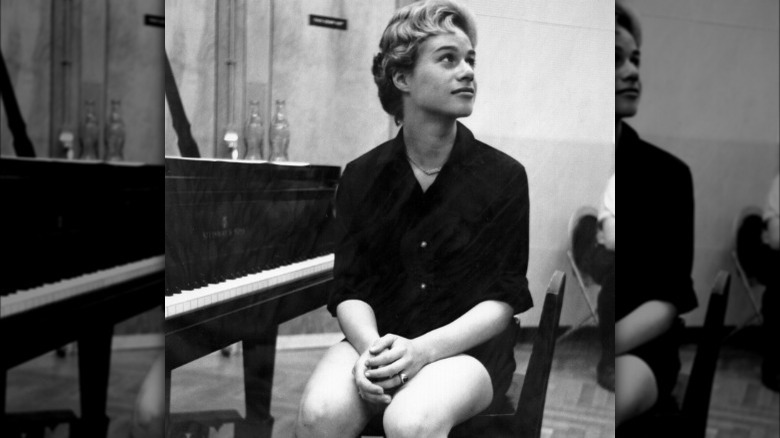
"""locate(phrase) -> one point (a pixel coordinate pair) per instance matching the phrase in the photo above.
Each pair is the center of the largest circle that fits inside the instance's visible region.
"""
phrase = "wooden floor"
(49, 382)
(740, 407)
(576, 406)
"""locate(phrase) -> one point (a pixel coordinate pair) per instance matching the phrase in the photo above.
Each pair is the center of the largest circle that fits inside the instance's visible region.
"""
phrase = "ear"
(400, 79)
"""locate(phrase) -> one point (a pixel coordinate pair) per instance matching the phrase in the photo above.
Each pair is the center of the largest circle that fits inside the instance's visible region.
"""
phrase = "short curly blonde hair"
(399, 47)
(626, 18)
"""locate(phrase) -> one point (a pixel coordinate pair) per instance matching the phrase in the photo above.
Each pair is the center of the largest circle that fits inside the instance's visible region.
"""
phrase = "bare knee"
(324, 417)
(408, 424)
(636, 389)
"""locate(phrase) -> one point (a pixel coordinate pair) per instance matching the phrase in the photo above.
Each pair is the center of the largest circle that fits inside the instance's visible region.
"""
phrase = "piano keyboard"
(26, 300)
(190, 300)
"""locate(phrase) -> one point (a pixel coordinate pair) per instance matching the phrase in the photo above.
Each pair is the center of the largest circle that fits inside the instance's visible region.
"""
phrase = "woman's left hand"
(391, 356)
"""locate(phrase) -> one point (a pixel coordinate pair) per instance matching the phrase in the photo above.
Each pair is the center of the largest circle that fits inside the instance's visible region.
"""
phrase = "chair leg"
(584, 290)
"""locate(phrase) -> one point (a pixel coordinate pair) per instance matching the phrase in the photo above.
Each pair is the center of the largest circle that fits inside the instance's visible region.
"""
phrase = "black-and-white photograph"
(388, 218)
(371, 217)
(696, 112)
(83, 268)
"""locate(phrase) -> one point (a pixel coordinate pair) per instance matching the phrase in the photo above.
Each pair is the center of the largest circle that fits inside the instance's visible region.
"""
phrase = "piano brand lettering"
(224, 232)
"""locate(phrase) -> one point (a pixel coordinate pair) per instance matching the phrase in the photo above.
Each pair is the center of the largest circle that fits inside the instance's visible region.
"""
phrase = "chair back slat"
(530, 406)
(696, 402)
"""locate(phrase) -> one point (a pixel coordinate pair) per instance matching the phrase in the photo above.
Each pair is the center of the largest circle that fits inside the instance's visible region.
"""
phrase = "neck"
(429, 143)
(618, 129)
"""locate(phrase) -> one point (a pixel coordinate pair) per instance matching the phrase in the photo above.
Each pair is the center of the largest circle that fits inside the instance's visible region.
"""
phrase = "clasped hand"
(377, 369)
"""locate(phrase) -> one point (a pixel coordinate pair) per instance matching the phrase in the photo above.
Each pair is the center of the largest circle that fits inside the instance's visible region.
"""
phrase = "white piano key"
(24, 300)
(190, 300)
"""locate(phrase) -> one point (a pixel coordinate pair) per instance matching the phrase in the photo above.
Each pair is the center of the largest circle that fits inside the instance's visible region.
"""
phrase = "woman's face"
(627, 85)
(442, 82)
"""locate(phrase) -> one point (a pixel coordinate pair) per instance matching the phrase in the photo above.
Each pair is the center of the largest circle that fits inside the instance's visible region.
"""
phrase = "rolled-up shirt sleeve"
(771, 209)
(510, 244)
(348, 272)
(607, 209)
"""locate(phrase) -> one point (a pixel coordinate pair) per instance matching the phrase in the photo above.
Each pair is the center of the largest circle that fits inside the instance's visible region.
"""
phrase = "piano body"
(249, 245)
(81, 253)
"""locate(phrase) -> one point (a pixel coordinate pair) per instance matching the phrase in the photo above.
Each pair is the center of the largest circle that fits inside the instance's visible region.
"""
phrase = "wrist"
(365, 343)
(424, 349)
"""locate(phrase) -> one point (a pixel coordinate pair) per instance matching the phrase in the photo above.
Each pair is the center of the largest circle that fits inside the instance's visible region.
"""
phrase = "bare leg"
(149, 413)
(331, 406)
(636, 390)
(441, 395)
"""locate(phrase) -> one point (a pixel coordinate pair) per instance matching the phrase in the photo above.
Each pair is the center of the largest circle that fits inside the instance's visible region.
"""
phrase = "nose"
(467, 72)
(630, 71)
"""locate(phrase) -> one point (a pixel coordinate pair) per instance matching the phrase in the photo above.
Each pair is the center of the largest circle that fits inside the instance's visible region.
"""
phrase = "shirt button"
(423, 244)
(423, 286)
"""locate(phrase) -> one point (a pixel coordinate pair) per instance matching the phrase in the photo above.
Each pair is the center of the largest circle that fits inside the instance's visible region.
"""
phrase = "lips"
(629, 91)
(464, 90)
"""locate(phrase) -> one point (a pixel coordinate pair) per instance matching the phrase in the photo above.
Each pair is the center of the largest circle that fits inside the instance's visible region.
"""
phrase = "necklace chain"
(428, 172)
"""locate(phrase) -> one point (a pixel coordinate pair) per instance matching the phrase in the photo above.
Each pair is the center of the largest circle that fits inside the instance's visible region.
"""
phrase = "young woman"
(647, 328)
(432, 260)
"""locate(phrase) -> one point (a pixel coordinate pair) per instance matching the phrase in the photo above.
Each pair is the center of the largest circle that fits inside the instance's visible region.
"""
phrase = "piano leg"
(167, 401)
(94, 367)
(259, 355)
(3, 381)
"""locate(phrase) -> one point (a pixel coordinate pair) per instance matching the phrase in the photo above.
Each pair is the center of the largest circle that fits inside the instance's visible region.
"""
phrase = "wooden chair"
(583, 226)
(524, 418)
(748, 227)
(666, 419)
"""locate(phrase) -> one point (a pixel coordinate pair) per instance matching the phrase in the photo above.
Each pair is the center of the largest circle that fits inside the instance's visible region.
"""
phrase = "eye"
(472, 62)
(636, 61)
(619, 59)
(448, 57)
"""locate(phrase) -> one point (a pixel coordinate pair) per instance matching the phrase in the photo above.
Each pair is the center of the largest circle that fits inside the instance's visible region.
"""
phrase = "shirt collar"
(463, 151)
(628, 136)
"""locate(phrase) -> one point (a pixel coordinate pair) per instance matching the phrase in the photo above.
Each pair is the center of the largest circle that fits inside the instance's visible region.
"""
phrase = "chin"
(624, 111)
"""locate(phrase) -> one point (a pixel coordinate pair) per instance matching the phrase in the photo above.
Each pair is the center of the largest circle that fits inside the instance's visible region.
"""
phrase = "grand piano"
(249, 245)
(80, 253)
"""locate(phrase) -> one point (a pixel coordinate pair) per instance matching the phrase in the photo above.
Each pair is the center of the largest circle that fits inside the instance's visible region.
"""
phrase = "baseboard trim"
(138, 341)
(691, 335)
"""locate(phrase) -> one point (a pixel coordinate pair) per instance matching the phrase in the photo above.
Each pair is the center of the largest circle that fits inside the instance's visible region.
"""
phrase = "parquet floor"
(740, 407)
(576, 406)
(49, 382)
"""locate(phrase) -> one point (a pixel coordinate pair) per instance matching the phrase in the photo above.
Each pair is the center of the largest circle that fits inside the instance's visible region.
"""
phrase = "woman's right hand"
(368, 390)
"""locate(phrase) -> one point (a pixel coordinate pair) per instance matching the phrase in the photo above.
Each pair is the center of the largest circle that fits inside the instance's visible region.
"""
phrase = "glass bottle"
(66, 140)
(230, 137)
(90, 134)
(253, 133)
(280, 134)
(115, 133)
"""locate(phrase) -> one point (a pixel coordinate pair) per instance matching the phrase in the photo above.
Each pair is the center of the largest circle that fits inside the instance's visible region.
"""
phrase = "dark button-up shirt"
(664, 186)
(423, 259)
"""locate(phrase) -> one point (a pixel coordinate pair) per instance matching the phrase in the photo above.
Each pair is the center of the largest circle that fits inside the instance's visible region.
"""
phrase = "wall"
(546, 98)
(710, 77)
(62, 53)
(26, 46)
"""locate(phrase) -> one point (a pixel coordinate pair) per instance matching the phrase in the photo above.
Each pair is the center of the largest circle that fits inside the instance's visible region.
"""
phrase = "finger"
(390, 383)
(385, 358)
(376, 399)
(380, 344)
(368, 387)
(385, 371)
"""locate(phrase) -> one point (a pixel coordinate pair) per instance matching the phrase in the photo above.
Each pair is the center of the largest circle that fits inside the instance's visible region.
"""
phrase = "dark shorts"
(662, 355)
